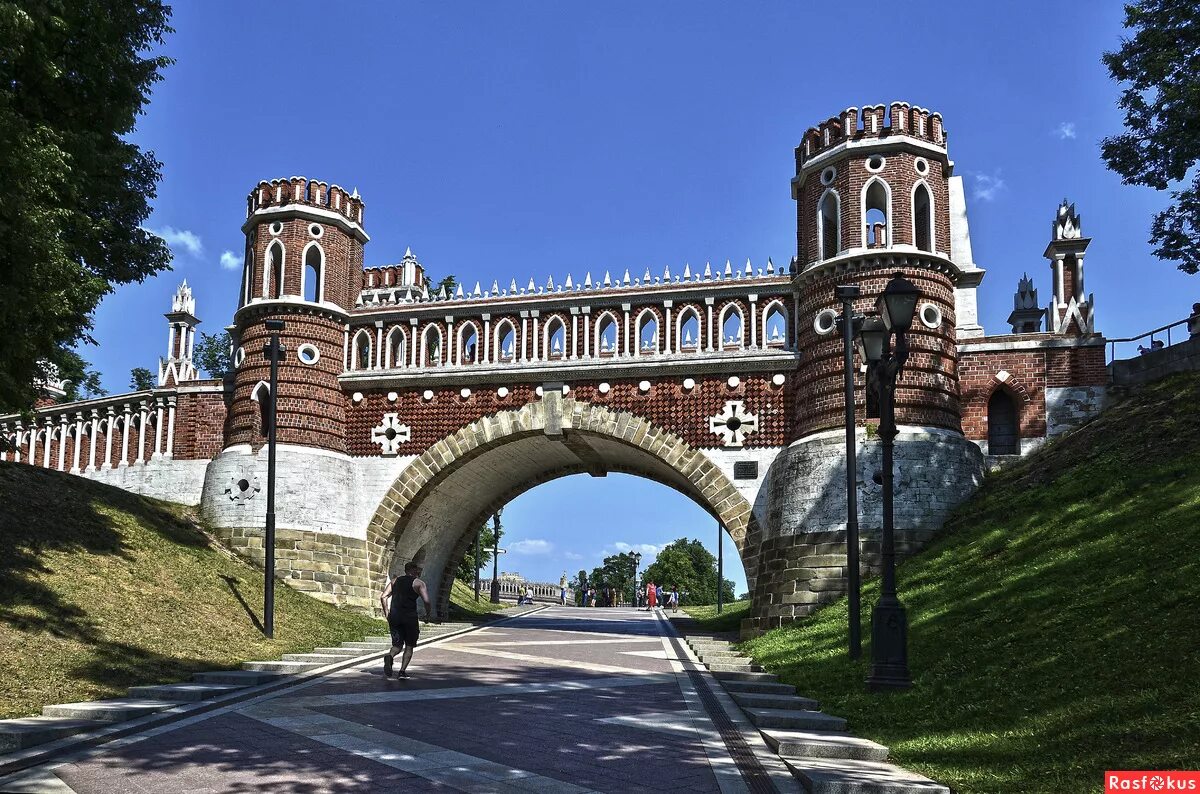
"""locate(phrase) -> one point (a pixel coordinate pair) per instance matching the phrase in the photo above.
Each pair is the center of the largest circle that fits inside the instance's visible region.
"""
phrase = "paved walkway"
(563, 700)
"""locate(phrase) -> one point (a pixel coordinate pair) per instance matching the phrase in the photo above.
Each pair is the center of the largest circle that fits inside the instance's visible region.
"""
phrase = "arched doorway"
(434, 506)
(1003, 427)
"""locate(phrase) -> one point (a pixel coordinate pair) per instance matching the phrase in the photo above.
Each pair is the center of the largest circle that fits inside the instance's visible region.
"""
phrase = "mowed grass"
(730, 618)
(1054, 629)
(101, 590)
(463, 605)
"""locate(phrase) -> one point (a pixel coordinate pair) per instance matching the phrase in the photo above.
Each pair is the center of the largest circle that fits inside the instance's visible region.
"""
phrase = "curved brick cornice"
(624, 442)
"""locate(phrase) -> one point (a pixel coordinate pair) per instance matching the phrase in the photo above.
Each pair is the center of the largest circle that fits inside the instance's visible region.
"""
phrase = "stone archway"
(441, 496)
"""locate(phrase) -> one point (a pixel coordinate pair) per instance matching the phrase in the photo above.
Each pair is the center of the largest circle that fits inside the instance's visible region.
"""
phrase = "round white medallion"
(308, 354)
(604, 387)
(315, 230)
(428, 395)
(357, 397)
(876, 163)
(392, 396)
(239, 357)
(931, 316)
(734, 381)
(566, 389)
(502, 392)
(276, 228)
(921, 166)
(538, 391)
(778, 379)
(689, 384)
(825, 322)
(644, 386)
(828, 175)
(465, 393)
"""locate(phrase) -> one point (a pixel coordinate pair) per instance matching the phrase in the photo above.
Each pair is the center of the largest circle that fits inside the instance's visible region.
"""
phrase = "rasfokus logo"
(1151, 781)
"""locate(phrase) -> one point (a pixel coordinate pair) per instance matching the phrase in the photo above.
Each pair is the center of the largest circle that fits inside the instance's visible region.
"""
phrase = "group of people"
(602, 597)
(658, 596)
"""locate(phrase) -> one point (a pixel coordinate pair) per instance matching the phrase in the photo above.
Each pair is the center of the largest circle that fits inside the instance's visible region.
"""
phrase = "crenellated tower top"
(871, 123)
(308, 192)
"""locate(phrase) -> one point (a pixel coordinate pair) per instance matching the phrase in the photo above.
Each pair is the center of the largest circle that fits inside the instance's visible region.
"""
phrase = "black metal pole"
(889, 623)
(273, 350)
(720, 570)
(847, 294)
(478, 532)
(496, 558)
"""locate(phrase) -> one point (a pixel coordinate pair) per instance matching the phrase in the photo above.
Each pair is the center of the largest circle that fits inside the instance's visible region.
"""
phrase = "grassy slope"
(1053, 628)
(730, 618)
(463, 605)
(100, 590)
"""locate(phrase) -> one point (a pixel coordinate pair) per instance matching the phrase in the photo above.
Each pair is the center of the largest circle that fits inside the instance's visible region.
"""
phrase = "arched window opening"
(875, 214)
(506, 336)
(469, 345)
(922, 228)
(689, 331)
(607, 334)
(396, 349)
(314, 261)
(433, 346)
(361, 355)
(274, 286)
(830, 222)
(1003, 432)
(775, 327)
(731, 329)
(261, 395)
(648, 333)
(556, 339)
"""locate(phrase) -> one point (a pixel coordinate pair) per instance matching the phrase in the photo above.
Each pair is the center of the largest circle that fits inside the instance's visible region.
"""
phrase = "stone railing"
(511, 589)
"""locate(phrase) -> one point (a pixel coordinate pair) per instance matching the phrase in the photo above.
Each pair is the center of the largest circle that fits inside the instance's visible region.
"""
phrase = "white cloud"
(230, 260)
(1065, 130)
(531, 546)
(987, 187)
(644, 548)
(570, 555)
(180, 238)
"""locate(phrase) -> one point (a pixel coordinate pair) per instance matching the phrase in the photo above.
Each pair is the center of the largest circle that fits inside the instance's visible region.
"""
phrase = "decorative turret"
(1026, 317)
(178, 367)
(1071, 309)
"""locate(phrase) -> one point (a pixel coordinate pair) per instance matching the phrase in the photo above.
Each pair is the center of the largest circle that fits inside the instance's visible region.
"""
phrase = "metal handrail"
(1112, 343)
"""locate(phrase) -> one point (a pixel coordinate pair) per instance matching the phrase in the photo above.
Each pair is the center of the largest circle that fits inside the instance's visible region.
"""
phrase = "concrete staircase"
(816, 746)
(68, 719)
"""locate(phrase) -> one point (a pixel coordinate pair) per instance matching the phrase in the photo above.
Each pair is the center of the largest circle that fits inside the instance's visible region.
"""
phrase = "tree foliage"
(1160, 69)
(617, 572)
(141, 379)
(213, 354)
(466, 568)
(688, 565)
(79, 380)
(73, 79)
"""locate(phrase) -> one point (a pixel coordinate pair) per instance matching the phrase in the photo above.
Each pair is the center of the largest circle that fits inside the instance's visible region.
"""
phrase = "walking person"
(402, 616)
(674, 598)
(562, 595)
(651, 597)
(658, 594)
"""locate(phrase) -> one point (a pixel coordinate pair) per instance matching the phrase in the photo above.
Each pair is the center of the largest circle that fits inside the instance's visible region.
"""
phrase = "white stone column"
(378, 362)
(753, 322)
(1059, 288)
(666, 331)
(524, 335)
(450, 353)
(125, 438)
(62, 443)
(108, 432)
(158, 428)
(587, 331)
(574, 333)
(144, 414)
(170, 427)
(412, 353)
(709, 303)
(75, 456)
(536, 336)
(4, 447)
(92, 440)
(625, 307)
(171, 341)
(345, 348)
(33, 433)
(1080, 293)
(487, 339)
(49, 442)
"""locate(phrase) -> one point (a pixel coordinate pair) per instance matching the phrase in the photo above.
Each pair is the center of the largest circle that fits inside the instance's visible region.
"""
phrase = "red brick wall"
(199, 419)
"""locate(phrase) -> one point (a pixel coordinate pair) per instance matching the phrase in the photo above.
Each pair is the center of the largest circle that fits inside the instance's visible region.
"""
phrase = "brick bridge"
(407, 415)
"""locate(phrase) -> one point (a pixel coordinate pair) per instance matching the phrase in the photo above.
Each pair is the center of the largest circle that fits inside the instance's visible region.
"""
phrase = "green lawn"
(463, 605)
(730, 618)
(101, 590)
(1054, 629)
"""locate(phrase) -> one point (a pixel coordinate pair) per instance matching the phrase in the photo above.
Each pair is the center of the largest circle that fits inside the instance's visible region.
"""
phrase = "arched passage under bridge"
(432, 509)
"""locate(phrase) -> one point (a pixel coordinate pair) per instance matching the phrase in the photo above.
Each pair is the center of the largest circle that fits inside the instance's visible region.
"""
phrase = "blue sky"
(513, 139)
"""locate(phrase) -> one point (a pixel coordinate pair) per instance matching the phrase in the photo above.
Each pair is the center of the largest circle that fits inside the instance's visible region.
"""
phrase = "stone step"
(746, 676)
(798, 719)
(350, 652)
(114, 710)
(718, 645)
(236, 677)
(774, 701)
(377, 640)
(823, 744)
(282, 667)
(758, 687)
(717, 656)
(319, 658)
(846, 776)
(31, 731)
(183, 693)
(733, 666)
(364, 646)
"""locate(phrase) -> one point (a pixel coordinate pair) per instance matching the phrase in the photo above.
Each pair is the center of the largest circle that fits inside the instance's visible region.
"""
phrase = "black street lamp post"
(496, 556)
(478, 532)
(273, 351)
(889, 622)
(850, 323)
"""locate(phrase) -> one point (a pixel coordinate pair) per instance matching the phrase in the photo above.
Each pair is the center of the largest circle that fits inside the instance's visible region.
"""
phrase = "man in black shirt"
(402, 615)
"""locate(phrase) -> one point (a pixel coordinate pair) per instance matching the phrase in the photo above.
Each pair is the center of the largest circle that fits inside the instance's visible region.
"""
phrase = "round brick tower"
(304, 253)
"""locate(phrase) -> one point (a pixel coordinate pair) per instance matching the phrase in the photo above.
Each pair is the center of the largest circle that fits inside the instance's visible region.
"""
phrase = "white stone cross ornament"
(733, 423)
(390, 434)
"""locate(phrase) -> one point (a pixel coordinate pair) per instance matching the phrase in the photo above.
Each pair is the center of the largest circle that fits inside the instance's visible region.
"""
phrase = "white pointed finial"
(646, 278)
(770, 266)
(550, 284)
(495, 287)
(354, 194)
(477, 292)
(728, 268)
(687, 272)
(607, 279)
(512, 288)
(666, 273)
(749, 269)
(569, 285)
(532, 287)
(707, 270)
(626, 279)
(587, 282)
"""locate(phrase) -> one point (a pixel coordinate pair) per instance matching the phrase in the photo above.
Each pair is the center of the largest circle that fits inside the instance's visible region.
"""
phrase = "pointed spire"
(442, 294)
(666, 273)
(495, 287)
(477, 292)
(687, 272)
(607, 279)
(354, 193)
(408, 252)
(568, 283)
(550, 284)
(532, 287)
(587, 282)
(728, 268)
(749, 268)
(625, 281)
(770, 266)
(512, 288)
(646, 278)
(707, 270)
(459, 293)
